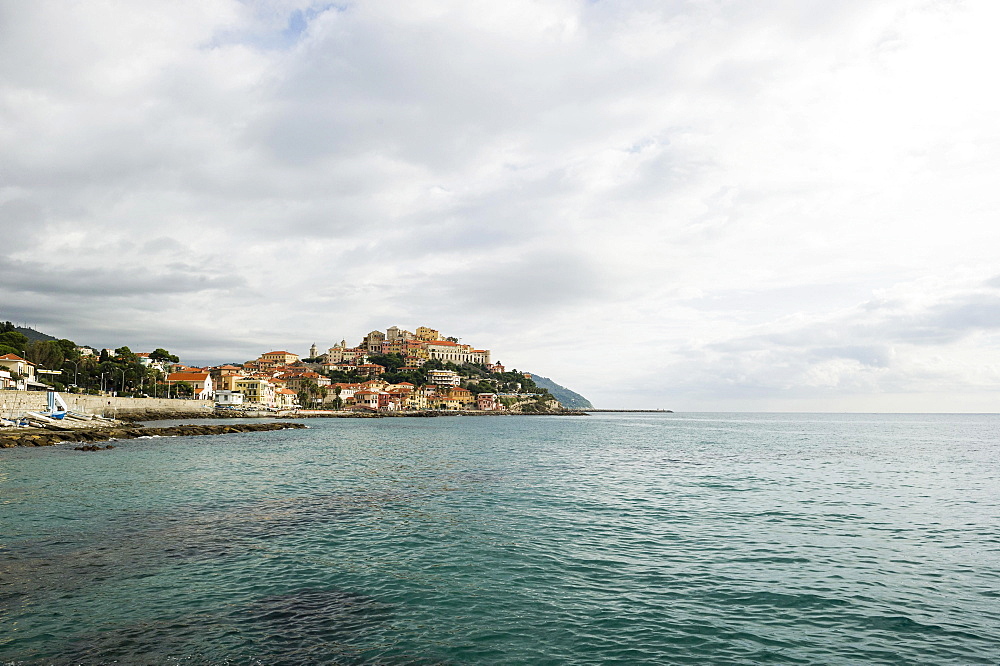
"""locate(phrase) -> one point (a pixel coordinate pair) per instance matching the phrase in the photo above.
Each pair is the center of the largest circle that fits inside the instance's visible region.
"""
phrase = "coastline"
(163, 415)
(88, 437)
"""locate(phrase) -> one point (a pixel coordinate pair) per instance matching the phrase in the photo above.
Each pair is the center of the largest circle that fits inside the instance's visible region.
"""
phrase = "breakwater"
(39, 437)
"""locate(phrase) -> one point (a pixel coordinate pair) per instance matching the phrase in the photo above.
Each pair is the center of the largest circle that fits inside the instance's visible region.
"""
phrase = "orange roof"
(187, 376)
(14, 357)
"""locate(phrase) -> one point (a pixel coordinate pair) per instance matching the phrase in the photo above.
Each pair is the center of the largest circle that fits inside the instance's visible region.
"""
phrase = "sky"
(698, 205)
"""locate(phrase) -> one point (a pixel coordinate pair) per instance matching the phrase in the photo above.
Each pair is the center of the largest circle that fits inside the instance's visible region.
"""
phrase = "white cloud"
(764, 205)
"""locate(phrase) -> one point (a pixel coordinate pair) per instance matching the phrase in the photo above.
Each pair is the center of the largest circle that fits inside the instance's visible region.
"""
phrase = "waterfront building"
(227, 398)
(200, 382)
(256, 390)
(13, 363)
(285, 398)
(487, 402)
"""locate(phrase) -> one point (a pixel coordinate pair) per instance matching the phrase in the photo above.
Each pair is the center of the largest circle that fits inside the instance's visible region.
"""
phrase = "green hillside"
(567, 398)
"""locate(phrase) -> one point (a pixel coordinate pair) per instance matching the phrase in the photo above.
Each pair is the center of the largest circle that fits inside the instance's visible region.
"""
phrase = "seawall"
(15, 403)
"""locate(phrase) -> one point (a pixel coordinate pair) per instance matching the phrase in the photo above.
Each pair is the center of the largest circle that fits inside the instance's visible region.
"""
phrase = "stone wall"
(15, 403)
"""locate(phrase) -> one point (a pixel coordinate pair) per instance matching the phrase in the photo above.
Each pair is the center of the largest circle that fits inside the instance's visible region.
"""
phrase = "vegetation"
(474, 376)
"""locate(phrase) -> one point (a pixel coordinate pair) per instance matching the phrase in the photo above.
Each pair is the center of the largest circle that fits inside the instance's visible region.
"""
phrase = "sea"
(604, 539)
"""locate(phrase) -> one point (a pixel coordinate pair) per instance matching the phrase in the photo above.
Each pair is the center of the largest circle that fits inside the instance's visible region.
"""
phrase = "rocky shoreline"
(88, 436)
(137, 416)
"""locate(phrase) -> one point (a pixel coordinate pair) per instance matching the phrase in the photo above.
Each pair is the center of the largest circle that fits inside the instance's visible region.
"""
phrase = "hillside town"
(387, 371)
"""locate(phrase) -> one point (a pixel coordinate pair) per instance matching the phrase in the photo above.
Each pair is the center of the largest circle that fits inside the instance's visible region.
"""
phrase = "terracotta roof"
(14, 357)
(187, 376)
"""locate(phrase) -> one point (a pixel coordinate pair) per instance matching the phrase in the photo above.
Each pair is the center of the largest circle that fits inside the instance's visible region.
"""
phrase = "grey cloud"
(111, 282)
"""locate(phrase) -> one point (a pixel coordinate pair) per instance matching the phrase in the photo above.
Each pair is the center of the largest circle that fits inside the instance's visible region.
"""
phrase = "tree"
(161, 354)
(44, 353)
(12, 342)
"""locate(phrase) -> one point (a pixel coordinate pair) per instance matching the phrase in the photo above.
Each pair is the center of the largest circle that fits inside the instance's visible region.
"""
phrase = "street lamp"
(123, 380)
(76, 370)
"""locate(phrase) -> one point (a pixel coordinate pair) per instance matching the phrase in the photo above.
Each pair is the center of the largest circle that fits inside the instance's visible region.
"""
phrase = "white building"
(228, 398)
(443, 377)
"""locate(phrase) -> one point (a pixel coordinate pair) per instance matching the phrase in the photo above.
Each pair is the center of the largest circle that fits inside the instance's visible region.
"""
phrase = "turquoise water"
(632, 538)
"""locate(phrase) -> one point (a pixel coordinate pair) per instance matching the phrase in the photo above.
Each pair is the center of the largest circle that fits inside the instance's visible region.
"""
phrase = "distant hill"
(568, 399)
(32, 334)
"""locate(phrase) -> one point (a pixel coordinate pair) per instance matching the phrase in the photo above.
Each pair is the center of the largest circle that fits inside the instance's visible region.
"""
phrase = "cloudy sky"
(695, 205)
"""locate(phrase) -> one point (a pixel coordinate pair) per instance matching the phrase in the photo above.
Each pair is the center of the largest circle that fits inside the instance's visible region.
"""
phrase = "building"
(463, 397)
(285, 398)
(427, 334)
(395, 333)
(13, 363)
(367, 399)
(446, 350)
(370, 369)
(276, 358)
(200, 382)
(488, 402)
(373, 342)
(443, 377)
(228, 399)
(256, 390)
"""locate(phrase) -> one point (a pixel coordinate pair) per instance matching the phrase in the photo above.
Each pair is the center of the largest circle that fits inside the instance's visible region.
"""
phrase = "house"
(13, 363)
(224, 377)
(371, 369)
(443, 401)
(443, 377)
(285, 399)
(226, 398)
(346, 392)
(488, 402)
(276, 358)
(256, 390)
(373, 342)
(463, 397)
(427, 334)
(367, 399)
(201, 383)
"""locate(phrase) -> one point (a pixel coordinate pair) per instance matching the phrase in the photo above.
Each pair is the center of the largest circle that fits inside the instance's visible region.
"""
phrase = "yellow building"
(256, 390)
(427, 334)
(278, 358)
